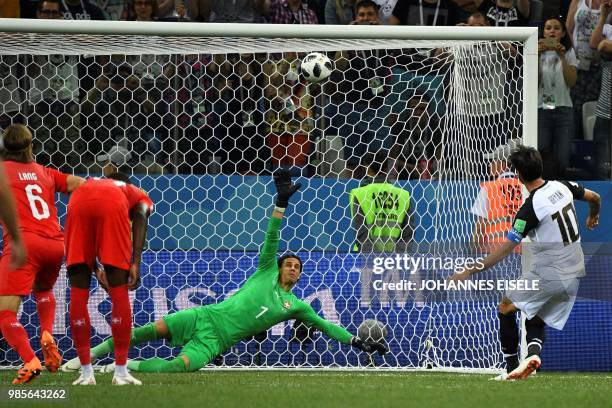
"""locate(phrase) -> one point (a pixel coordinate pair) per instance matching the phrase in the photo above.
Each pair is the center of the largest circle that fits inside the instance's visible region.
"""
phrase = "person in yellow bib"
(381, 217)
(497, 202)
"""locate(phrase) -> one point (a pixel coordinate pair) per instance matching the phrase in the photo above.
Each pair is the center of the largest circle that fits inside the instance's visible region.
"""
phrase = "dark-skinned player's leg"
(79, 276)
(121, 315)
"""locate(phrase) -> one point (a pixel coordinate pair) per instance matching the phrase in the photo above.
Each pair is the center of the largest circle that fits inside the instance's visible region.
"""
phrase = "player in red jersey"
(33, 187)
(8, 217)
(98, 226)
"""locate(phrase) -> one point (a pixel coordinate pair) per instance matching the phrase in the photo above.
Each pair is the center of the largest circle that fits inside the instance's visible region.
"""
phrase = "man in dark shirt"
(503, 13)
(424, 13)
(81, 10)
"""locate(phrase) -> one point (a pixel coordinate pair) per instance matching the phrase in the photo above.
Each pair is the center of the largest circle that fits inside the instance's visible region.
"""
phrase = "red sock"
(79, 323)
(121, 322)
(45, 305)
(15, 335)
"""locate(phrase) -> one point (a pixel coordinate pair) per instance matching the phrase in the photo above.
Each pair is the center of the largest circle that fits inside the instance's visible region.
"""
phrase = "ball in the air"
(372, 330)
(316, 67)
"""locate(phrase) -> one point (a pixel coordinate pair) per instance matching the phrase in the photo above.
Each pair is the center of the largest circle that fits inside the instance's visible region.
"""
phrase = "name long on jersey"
(548, 218)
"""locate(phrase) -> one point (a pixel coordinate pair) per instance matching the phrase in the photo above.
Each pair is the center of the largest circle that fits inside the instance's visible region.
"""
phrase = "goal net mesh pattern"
(202, 123)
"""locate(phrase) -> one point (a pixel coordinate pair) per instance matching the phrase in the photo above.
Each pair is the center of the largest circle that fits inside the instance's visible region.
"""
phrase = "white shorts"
(552, 302)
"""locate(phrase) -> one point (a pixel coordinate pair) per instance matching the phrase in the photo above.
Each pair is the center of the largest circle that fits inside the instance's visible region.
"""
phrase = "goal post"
(202, 114)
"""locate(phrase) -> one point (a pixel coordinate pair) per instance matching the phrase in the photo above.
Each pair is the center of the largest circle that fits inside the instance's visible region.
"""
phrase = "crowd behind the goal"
(251, 113)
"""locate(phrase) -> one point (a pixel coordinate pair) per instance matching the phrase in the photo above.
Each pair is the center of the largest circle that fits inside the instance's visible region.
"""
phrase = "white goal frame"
(528, 36)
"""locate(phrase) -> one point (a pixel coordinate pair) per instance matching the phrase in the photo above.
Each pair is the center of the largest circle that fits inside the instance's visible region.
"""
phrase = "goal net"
(201, 116)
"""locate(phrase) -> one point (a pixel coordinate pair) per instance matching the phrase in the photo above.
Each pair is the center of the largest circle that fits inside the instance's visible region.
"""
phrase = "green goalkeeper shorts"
(193, 329)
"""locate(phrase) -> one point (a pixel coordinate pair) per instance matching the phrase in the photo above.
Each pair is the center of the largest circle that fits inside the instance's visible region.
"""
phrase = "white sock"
(121, 370)
(87, 370)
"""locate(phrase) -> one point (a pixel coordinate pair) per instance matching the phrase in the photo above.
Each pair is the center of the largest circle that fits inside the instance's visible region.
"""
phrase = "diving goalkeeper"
(265, 300)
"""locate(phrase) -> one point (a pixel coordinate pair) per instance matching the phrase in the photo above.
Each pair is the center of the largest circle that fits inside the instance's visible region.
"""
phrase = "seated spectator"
(366, 13)
(424, 13)
(81, 10)
(465, 8)
(142, 10)
(476, 19)
(487, 100)
(503, 13)
(602, 134)
(289, 114)
(339, 12)
(54, 94)
(357, 89)
(235, 11)
(416, 140)
(557, 75)
(112, 9)
(12, 94)
(172, 10)
(289, 12)
(116, 159)
(385, 10)
(581, 22)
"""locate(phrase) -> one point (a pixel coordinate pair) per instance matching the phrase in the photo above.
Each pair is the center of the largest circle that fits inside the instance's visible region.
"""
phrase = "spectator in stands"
(385, 10)
(557, 76)
(489, 99)
(175, 10)
(503, 13)
(289, 113)
(49, 10)
(602, 134)
(425, 13)
(417, 139)
(357, 89)
(581, 22)
(465, 8)
(115, 160)
(54, 94)
(192, 105)
(289, 12)
(81, 10)
(12, 94)
(476, 19)
(112, 9)
(236, 117)
(339, 12)
(142, 10)
(235, 11)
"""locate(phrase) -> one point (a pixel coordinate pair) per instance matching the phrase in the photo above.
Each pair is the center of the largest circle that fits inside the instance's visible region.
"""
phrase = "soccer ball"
(316, 67)
(372, 330)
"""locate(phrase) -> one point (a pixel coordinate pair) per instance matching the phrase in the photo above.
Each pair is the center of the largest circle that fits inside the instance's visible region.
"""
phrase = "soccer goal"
(202, 114)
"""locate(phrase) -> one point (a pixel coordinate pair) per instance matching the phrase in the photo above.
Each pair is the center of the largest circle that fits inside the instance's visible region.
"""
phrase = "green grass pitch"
(293, 389)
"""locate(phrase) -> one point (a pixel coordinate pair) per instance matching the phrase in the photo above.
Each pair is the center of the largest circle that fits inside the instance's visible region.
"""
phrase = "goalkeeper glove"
(369, 346)
(284, 188)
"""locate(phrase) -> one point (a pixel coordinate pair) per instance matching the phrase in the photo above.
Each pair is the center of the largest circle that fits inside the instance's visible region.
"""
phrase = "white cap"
(504, 151)
(118, 155)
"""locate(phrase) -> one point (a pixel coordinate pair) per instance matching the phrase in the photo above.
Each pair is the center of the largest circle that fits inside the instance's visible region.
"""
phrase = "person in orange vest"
(498, 200)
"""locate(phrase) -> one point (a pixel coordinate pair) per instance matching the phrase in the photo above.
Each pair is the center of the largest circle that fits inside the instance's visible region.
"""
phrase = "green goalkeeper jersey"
(261, 302)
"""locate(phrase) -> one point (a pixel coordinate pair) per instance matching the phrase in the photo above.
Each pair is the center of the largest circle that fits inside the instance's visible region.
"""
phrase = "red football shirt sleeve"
(60, 179)
(137, 196)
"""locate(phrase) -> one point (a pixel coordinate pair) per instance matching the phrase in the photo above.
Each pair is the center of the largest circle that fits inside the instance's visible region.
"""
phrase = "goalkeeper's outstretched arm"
(306, 314)
(284, 190)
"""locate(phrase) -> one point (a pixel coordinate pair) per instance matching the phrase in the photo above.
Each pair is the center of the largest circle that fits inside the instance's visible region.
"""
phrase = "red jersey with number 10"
(34, 187)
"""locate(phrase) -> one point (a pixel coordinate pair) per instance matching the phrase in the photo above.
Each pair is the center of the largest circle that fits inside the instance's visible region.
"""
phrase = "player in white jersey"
(548, 218)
